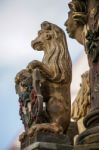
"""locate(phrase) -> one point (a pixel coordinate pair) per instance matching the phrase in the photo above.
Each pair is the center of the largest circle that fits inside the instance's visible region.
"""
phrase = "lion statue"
(55, 72)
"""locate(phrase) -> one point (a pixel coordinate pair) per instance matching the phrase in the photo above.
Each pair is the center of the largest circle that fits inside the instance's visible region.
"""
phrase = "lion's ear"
(46, 25)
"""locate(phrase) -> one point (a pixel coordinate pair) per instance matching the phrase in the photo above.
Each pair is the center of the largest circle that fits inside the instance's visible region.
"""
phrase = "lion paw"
(22, 136)
(52, 128)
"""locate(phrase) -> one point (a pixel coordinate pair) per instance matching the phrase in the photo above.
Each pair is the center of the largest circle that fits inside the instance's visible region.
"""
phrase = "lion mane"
(57, 56)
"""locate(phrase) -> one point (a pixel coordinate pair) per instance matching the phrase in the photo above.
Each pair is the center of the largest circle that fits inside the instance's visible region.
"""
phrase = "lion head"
(51, 39)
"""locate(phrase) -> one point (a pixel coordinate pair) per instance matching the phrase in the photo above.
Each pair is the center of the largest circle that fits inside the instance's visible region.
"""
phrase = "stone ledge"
(45, 137)
(55, 146)
(48, 146)
(94, 146)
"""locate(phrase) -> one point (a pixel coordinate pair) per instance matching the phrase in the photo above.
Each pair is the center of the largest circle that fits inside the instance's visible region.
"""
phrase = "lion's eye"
(48, 36)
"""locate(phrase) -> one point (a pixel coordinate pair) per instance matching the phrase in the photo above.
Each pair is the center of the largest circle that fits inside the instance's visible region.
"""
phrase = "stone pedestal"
(54, 146)
(44, 139)
(48, 146)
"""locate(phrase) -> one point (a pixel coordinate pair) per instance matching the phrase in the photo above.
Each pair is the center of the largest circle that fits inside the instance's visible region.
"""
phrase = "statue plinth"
(44, 140)
(48, 146)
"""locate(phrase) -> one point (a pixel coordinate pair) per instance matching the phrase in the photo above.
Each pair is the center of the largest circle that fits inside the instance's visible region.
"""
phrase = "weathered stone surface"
(54, 146)
(48, 146)
(45, 137)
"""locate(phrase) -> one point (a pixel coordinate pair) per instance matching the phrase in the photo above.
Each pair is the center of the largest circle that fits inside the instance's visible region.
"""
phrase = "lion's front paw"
(57, 128)
(32, 65)
(22, 136)
(52, 128)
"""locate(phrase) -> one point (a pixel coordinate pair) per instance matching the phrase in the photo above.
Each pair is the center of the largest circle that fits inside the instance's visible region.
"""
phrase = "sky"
(19, 23)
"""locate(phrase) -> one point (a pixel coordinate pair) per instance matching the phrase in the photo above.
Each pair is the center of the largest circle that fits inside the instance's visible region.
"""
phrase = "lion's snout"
(37, 44)
(34, 43)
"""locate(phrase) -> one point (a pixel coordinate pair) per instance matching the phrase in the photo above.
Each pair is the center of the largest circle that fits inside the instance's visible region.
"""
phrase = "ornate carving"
(29, 110)
(44, 87)
(55, 71)
(51, 39)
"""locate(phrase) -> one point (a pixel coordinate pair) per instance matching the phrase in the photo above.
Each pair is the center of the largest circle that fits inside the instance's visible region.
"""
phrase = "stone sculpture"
(44, 87)
(55, 72)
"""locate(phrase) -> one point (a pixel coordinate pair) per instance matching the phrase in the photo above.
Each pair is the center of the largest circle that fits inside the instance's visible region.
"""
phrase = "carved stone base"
(48, 146)
(54, 146)
(42, 136)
